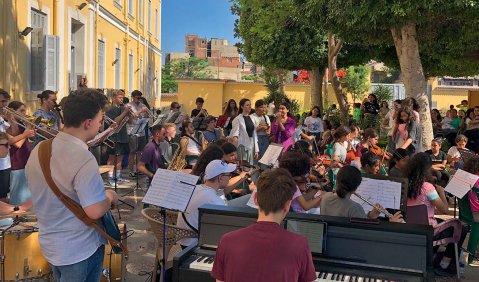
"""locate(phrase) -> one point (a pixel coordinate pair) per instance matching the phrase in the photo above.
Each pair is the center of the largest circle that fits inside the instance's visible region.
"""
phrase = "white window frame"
(37, 68)
(156, 24)
(117, 67)
(131, 72)
(131, 8)
(101, 64)
(141, 84)
(149, 16)
(140, 11)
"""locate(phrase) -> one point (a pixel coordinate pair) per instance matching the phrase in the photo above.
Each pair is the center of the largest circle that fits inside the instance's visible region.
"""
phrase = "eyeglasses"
(226, 174)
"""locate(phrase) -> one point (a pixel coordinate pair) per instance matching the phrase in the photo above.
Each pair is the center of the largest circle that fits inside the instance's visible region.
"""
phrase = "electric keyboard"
(354, 252)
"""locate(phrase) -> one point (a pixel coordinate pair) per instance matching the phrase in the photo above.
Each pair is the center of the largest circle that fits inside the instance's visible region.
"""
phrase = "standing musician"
(118, 113)
(263, 126)
(136, 140)
(152, 158)
(199, 114)
(243, 134)
(47, 111)
(74, 250)
(264, 251)
(190, 146)
(282, 129)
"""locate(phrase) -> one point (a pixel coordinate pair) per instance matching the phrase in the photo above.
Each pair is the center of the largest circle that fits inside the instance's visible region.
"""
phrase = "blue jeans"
(88, 270)
(263, 143)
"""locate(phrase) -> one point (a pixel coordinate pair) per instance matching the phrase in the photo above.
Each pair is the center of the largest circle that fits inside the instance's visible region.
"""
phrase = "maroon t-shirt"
(263, 251)
(19, 156)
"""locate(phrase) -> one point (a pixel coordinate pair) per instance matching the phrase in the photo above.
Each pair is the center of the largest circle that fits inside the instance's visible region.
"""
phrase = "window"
(101, 65)
(118, 4)
(131, 7)
(141, 75)
(117, 68)
(156, 23)
(130, 73)
(149, 16)
(140, 11)
(156, 83)
(148, 81)
(38, 22)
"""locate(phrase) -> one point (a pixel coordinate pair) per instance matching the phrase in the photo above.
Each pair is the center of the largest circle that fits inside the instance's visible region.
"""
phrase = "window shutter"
(51, 46)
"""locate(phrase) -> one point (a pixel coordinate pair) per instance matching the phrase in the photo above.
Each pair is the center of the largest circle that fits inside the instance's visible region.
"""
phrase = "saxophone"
(177, 161)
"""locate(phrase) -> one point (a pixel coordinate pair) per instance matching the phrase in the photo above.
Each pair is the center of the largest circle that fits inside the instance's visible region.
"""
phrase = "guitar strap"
(44, 155)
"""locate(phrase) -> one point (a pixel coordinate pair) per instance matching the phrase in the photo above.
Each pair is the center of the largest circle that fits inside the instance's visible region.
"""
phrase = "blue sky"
(207, 18)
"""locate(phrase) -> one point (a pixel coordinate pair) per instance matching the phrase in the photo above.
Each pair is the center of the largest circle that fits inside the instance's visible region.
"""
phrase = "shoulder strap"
(44, 155)
(187, 223)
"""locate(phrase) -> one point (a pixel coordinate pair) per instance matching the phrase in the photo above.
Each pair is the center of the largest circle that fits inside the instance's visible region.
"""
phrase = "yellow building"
(52, 44)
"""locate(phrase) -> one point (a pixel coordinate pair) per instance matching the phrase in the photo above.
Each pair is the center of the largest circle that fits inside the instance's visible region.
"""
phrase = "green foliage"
(383, 93)
(356, 81)
(168, 82)
(273, 83)
(190, 68)
(252, 77)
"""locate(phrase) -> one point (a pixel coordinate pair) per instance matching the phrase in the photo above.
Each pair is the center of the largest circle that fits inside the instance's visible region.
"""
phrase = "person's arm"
(97, 210)
(336, 156)
(142, 168)
(440, 203)
(15, 140)
(235, 131)
(288, 129)
(307, 205)
(235, 181)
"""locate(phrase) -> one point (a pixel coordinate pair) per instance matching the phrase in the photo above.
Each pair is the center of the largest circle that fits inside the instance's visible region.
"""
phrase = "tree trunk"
(326, 90)
(316, 81)
(334, 47)
(407, 49)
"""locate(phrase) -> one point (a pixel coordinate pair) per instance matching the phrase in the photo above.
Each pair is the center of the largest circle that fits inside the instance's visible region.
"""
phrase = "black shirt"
(194, 113)
(122, 136)
(439, 158)
(370, 108)
(249, 125)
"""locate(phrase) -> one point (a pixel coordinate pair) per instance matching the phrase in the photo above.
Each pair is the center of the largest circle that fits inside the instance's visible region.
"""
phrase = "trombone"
(28, 122)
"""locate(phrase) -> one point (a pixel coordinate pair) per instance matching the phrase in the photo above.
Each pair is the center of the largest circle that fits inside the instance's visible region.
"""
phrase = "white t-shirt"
(201, 196)
(135, 108)
(297, 133)
(314, 125)
(65, 239)
(4, 162)
(454, 152)
(261, 120)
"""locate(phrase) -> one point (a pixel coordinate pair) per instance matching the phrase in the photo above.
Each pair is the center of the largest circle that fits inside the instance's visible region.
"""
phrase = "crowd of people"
(322, 164)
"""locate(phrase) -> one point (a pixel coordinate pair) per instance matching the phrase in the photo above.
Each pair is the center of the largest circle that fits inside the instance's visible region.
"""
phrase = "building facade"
(53, 44)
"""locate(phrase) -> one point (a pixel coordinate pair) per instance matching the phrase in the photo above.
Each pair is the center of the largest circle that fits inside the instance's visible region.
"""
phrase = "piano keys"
(355, 252)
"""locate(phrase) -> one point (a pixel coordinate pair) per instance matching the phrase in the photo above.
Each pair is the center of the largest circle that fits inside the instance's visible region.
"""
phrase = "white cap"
(217, 167)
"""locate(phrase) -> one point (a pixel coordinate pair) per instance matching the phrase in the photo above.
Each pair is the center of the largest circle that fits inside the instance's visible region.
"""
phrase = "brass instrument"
(202, 139)
(178, 161)
(33, 123)
(383, 210)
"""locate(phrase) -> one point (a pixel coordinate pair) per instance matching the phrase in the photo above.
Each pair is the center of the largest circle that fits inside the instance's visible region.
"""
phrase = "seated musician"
(210, 133)
(152, 158)
(370, 143)
(422, 192)
(190, 146)
(171, 142)
(454, 155)
(217, 175)
(370, 163)
(299, 167)
(264, 251)
(339, 203)
(398, 162)
(439, 159)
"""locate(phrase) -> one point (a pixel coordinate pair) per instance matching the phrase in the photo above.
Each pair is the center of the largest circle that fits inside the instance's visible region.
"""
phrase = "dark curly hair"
(418, 172)
(297, 164)
(302, 147)
(472, 165)
(211, 153)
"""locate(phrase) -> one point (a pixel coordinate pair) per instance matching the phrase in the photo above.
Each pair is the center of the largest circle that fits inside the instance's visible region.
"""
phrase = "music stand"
(271, 155)
(170, 190)
(135, 131)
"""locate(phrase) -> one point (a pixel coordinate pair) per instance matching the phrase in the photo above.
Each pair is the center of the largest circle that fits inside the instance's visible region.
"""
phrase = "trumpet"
(28, 122)
(383, 210)
(109, 120)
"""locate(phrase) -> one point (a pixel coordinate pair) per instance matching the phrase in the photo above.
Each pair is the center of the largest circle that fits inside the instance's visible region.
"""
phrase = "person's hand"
(397, 217)
(251, 186)
(238, 191)
(244, 174)
(278, 116)
(374, 213)
(110, 194)
(29, 133)
(256, 155)
(127, 107)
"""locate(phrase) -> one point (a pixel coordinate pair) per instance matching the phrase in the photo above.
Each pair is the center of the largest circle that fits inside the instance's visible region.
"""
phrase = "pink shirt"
(427, 194)
(294, 203)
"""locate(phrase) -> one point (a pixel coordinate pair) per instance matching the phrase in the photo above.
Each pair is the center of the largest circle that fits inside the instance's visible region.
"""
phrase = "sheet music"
(272, 154)
(461, 182)
(250, 202)
(171, 189)
(137, 126)
(387, 193)
(101, 136)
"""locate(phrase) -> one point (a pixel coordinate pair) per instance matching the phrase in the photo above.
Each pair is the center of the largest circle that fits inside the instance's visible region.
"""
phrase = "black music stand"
(170, 181)
(135, 132)
(115, 178)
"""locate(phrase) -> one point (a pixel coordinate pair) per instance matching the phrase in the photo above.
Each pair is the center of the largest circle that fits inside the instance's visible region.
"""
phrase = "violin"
(375, 149)
(350, 154)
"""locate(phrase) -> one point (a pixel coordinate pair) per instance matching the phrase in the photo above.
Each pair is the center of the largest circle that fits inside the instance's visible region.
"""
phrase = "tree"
(190, 68)
(429, 37)
(168, 82)
(356, 81)
(275, 38)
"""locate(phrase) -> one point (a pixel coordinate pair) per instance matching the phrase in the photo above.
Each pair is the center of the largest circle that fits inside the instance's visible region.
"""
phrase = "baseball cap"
(218, 167)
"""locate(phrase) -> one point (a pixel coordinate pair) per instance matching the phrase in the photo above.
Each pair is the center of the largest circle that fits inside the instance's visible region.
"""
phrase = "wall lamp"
(82, 5)
(25, 32)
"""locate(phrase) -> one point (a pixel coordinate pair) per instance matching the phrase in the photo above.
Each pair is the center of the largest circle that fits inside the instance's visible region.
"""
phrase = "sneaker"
(122, 180)
(448, 272)
(111, 181)
(133, 174)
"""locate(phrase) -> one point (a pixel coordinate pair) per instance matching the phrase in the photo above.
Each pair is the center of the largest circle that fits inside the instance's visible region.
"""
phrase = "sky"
(206, 18)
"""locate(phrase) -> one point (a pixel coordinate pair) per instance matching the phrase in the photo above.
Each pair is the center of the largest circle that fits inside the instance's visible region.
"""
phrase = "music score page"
(387, 193)
(171, 189)
(461, 182)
